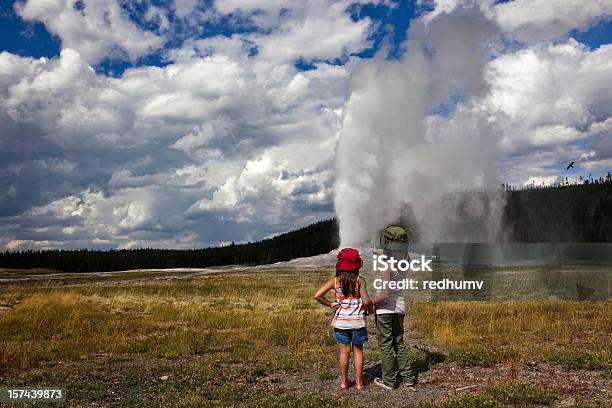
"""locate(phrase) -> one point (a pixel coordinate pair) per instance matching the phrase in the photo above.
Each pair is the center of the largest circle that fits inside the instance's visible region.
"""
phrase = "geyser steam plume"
(413, 141)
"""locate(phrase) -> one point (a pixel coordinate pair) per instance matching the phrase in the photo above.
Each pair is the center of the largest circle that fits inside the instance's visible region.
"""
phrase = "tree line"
(317, 238)
(565, 213)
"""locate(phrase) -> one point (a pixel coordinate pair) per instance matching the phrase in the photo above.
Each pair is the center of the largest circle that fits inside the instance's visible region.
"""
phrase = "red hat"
(349, 260)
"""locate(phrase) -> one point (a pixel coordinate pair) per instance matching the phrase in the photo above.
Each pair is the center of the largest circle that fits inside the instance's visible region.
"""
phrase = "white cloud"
(184, 8)
(229, 6)
(311, 36)
(590, 163)
(554, 135)
(542, 20)
(540, 181)
(157, 141)
(299, 29)
(100, 29)
(546, 105)
(201, 136)
(532, 21)
(549, 94)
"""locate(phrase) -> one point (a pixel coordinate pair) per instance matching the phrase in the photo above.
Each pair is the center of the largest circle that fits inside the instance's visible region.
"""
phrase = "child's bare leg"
(345, 351)
(358, 363)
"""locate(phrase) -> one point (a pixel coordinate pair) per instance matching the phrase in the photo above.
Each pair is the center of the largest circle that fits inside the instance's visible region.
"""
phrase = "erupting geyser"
(414, 142)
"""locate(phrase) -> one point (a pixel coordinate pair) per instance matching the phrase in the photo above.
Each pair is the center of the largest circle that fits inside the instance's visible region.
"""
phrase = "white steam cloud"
(401, 154)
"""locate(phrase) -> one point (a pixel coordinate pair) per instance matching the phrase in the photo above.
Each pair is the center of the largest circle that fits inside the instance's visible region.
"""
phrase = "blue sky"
(187, 123)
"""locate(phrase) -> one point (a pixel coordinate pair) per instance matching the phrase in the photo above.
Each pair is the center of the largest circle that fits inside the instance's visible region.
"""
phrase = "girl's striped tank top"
(351, 314)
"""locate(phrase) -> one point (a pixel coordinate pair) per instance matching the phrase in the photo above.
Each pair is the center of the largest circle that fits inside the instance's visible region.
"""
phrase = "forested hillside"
(568, 213)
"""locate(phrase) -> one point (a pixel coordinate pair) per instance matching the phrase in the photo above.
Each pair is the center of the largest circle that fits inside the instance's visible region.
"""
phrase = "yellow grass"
(263, 321)
(226, 316)
(534, 329)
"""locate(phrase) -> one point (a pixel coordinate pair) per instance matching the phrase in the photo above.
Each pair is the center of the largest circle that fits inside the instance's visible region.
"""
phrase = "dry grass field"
(258, 339)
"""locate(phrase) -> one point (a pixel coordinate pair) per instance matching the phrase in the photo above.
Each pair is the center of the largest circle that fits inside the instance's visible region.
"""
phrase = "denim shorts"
(354, 336)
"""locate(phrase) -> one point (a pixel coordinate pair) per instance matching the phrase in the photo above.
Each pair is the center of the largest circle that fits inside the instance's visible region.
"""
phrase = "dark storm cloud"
(602, 146)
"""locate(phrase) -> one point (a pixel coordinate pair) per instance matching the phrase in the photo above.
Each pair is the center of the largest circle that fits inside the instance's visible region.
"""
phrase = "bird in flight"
(570, 166)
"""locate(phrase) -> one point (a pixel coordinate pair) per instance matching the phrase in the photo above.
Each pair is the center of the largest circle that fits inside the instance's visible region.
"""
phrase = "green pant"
(395, 359)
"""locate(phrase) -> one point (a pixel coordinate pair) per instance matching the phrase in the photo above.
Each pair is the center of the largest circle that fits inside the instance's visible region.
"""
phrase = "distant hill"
(569, 213)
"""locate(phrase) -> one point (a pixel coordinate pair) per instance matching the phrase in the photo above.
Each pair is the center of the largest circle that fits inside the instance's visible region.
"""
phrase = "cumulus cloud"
(547, 107)
(96, 28)
(546, 96)
(542, 20)
(220, 144)
(532, 21)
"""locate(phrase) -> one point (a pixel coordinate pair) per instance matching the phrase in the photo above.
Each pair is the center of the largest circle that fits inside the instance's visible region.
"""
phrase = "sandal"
(346, 386)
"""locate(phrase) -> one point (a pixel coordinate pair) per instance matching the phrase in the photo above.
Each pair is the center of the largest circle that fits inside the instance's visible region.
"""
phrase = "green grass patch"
(584, 359)
(481, 356)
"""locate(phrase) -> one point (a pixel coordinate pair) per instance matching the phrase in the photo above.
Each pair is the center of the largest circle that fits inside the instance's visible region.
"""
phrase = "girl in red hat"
(351, 308)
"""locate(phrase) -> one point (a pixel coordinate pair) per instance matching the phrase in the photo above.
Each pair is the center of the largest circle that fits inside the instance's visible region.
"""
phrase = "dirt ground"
(448, 380)
(149, 382)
